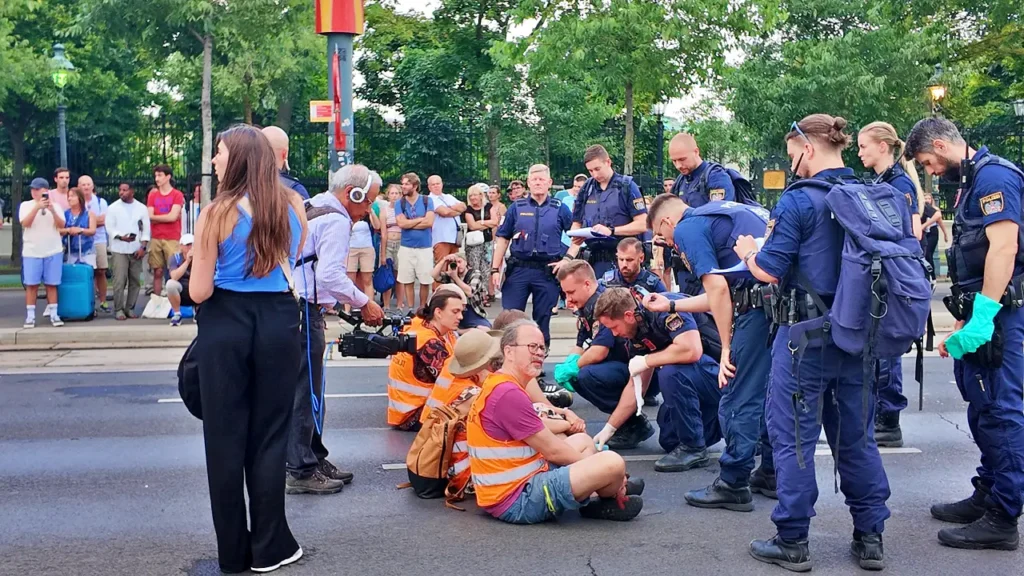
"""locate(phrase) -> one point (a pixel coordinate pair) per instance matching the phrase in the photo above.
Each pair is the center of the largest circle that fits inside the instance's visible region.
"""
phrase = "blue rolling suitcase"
(76, 295)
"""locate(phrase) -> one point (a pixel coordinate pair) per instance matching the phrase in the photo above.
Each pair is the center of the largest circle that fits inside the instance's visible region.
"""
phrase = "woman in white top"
(361, 254)
(392, 234)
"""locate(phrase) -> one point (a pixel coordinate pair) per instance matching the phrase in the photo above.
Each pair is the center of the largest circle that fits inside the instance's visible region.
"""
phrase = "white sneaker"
(56, 321)
(295, 558)
(30, 322)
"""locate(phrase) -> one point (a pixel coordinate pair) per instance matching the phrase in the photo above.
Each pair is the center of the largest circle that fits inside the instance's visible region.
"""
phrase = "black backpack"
(744, 190)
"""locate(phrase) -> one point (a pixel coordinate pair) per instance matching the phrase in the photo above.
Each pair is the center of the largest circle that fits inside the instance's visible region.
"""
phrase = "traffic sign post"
(340, 21)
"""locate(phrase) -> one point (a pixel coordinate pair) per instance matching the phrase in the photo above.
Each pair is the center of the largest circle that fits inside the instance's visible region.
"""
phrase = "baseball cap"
(186, 240)
(39, 184)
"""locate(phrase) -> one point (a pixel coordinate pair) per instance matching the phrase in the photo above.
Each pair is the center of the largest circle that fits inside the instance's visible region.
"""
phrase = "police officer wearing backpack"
(630, 271)
(705, 237)
(811, 375)
(533, 228)
(699, 182)
(986, 266)
(611, 205)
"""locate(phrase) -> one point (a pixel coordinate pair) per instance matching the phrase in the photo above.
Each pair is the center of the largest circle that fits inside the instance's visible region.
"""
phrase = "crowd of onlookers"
(126, 242)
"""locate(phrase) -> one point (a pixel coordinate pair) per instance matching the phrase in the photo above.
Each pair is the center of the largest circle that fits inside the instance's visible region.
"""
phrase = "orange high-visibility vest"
(406, 394)
(446, 389)
(498, 467)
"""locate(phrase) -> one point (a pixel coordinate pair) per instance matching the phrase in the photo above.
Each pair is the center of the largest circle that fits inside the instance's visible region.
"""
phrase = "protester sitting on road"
(180, 272)
(522, 472)
(247, 241)
(453, 269)
(78, 230)
(474, 355)
(670, 344)
(412, 376)
(41, 251)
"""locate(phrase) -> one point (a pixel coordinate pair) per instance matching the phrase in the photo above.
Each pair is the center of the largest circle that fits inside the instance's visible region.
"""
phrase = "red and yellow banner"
(339, 16)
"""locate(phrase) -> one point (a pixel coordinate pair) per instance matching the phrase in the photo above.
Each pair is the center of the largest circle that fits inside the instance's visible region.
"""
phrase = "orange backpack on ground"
(438, 460)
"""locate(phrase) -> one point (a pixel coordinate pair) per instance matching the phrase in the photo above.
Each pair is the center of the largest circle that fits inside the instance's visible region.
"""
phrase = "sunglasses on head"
(796, 128)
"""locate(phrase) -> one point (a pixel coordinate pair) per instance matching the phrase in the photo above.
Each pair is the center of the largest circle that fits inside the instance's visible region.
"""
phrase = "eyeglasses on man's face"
(533, 348)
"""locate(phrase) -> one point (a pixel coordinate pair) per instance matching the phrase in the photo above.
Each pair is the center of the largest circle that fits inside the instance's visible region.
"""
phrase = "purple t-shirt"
(508, 415)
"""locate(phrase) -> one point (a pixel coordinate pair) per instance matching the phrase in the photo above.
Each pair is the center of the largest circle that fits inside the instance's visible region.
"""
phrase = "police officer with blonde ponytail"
(881, 150)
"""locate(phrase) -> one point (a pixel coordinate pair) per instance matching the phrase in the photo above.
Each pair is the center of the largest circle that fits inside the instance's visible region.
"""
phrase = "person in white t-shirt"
(447, 210)
(42, 254)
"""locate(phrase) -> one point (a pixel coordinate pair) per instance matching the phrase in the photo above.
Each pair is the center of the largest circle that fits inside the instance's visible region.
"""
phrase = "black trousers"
(248, 362)
(305, 445)
(929, 242)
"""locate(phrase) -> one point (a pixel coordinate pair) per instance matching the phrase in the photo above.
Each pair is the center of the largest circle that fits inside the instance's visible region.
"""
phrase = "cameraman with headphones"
(321, 281)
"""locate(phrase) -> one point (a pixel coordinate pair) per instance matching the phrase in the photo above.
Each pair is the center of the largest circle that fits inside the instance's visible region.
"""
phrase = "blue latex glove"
(567, 371)
(978, 330)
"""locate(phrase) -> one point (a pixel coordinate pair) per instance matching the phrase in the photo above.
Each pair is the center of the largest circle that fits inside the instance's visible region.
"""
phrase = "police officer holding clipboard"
(986, 266)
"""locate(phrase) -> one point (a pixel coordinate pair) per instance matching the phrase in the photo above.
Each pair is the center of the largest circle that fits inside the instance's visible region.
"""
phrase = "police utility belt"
(515, 262)
(781, 307)
(961, 305)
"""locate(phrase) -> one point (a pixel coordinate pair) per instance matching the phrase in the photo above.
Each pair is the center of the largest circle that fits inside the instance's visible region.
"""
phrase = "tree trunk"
(16, 132)
(207, 166)
(247, 107)
(627, 162)
(284, 114)
(493, 160)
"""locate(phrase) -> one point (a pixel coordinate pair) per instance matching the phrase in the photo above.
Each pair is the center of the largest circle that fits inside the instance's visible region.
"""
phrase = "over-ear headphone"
(358, 195)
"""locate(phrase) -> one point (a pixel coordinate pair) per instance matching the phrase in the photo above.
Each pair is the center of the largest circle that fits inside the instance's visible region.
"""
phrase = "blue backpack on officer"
(744, 190)
(884, 292)
(745, 217)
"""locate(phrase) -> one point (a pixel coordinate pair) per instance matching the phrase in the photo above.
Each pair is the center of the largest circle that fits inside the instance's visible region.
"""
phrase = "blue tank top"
(230, 273)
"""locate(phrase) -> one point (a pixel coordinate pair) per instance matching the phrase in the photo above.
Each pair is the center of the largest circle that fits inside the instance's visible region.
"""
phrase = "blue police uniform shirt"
(294, 184)
(703, 243)
(645, 279)
(609, 207)
(802, 235)
(898, 179)
(658, 330)
(995, 194)
(588, 328)
(535, 230)
(719, 186)
(418, 209)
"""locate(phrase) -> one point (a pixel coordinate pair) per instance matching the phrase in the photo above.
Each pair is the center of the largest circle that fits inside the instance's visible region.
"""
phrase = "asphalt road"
(98, 477)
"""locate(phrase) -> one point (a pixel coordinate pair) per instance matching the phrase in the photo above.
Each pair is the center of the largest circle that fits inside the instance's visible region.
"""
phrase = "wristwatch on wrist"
(672, 306)
(495, 271)
(748, 256)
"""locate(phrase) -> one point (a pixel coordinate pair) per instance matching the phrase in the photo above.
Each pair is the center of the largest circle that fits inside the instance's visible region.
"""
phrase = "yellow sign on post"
(320, 110)
(774, 179)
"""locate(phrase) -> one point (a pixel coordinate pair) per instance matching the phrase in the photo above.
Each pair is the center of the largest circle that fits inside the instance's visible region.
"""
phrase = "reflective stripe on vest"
(459, 467)
(410, 388)
(403, 408)
(434, 402)
(442, 381)
(499, 468)
(462, 446)
(407, 394)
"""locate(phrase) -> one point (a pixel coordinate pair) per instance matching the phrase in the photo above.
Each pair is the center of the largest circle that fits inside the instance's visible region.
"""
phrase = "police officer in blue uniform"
(533, 227)
(670, 347)
(630, 271)
(699, 182)
(881, 150)
(596, 367)
(278, 139)
(611, 205)
(821, 384)
(986, 265)
(706, 237)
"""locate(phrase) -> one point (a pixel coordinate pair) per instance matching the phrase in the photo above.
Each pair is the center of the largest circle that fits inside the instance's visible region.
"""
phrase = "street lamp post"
(61, 68)
(1018, 111)
(659, 113)
(937, 90)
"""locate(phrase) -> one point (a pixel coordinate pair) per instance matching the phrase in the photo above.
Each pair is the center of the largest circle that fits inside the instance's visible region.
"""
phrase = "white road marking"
(653, 457)
(352, 395)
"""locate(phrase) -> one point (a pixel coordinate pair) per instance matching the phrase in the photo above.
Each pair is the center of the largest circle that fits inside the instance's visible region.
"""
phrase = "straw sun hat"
(473, 350)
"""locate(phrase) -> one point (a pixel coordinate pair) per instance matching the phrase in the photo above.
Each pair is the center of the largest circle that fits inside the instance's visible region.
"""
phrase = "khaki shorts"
(101, 257)
(161, 252)
(415, 264)
(360, 259)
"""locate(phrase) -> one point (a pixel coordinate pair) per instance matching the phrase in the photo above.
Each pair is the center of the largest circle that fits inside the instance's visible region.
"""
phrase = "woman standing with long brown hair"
(248, 348)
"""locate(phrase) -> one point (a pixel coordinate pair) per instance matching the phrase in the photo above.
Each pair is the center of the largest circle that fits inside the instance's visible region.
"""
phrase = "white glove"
(604, 435)
(638, 365)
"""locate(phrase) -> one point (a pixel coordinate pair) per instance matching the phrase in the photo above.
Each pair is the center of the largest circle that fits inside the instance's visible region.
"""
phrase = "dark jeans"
(929, 242)
(305, 445)
(248, 362)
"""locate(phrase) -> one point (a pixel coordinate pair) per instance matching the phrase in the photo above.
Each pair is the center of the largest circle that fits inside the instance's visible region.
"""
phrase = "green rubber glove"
(567, 371)
(978, 330)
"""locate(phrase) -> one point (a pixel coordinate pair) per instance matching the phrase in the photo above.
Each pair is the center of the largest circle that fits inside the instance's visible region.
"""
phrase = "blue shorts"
(36, 271)
(531, 507)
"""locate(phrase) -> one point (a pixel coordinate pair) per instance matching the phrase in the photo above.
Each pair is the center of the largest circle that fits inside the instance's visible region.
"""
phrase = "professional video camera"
(362, 343)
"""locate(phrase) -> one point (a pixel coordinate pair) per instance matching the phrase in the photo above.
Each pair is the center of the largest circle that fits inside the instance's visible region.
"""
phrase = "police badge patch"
(685, 261)
(992, 204)
(638, 203)
(673, 322)
(910, 201)
(768, 229)
(716, 194)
